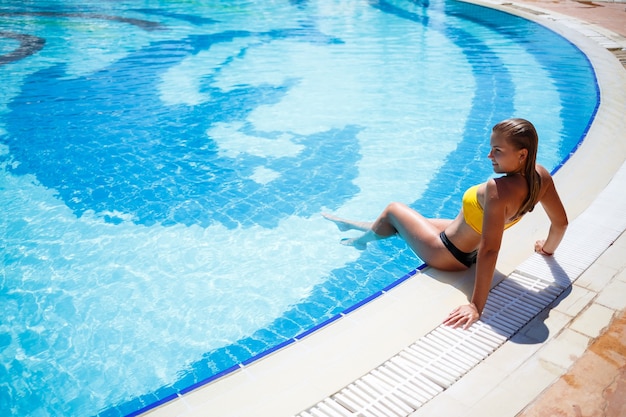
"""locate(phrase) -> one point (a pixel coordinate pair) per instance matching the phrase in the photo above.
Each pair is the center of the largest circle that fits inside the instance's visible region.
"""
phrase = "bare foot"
(344, 225)
(354, 242)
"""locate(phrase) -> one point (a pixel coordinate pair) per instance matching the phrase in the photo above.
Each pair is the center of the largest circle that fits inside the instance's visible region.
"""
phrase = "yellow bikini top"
(473, 211)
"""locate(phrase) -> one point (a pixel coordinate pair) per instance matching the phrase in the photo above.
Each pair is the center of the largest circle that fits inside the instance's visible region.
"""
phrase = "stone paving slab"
(594, 386)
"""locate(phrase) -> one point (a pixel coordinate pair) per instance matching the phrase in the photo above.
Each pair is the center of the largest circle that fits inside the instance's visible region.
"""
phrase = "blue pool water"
(165, 164)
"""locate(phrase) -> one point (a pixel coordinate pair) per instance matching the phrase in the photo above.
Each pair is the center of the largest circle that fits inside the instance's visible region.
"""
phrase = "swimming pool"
(164, 169)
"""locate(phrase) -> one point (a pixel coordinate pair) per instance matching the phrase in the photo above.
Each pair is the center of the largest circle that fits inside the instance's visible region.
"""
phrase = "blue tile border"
(153, 405)
(318, 326)
(268, 351)
(594, 113)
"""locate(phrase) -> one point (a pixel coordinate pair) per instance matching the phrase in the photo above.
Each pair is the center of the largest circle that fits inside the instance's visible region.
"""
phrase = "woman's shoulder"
(541, 170)
(544, 174)
(504, 187)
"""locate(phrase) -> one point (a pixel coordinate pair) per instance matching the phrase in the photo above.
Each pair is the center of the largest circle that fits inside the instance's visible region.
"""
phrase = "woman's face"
(504, 157)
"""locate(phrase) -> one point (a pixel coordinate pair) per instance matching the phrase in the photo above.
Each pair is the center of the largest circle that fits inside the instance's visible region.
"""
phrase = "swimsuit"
(473, 212)
(466, 258)
(473, 215)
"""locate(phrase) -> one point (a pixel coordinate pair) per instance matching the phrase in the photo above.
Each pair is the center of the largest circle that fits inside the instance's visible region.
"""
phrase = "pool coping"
(294, 378)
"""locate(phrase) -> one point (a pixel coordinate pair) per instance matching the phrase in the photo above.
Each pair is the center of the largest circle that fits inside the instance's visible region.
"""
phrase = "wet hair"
(521, 134)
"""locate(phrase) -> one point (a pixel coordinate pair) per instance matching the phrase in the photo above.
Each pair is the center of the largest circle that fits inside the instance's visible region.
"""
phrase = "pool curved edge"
(304, 372)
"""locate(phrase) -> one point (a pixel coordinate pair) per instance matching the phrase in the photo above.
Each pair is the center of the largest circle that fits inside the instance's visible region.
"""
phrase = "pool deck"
(569, 360)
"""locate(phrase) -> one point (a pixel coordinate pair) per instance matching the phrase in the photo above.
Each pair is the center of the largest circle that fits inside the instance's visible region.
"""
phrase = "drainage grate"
(421, 371)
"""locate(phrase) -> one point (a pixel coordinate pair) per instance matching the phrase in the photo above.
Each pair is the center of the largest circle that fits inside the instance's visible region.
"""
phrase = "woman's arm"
(551, 202)
(490, 242)
(491, 239)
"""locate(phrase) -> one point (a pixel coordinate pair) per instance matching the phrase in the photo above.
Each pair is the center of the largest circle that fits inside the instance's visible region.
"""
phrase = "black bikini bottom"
(465, 258)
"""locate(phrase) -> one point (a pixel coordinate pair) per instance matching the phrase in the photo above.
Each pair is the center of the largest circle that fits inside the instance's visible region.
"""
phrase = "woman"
(475, 235)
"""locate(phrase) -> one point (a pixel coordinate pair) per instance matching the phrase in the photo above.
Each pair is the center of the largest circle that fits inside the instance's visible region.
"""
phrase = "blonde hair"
(522, 135)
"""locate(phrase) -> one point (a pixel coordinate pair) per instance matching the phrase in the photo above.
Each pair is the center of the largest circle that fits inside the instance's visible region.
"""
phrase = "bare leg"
(382, 228)
(420, 233)
(360, 243)
(344, 224)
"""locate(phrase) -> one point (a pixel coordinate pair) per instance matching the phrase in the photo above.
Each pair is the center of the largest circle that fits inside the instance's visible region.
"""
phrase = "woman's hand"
(464, 316)
(539, 248)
